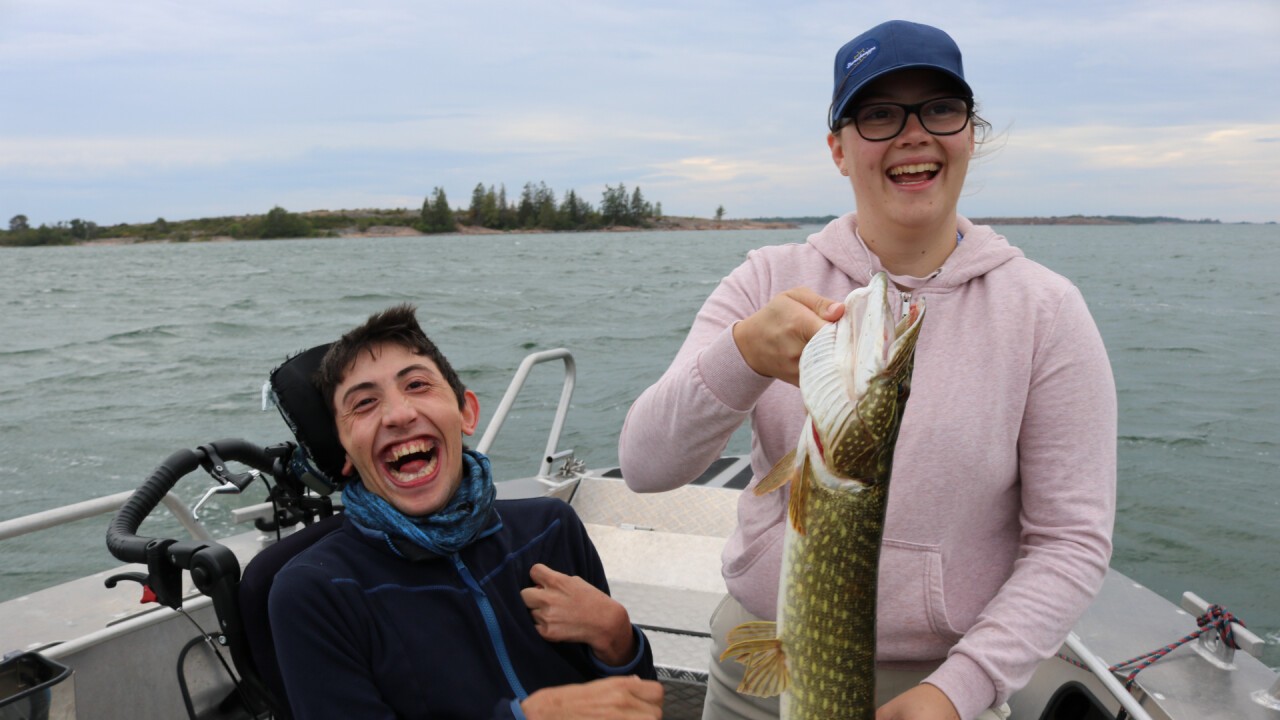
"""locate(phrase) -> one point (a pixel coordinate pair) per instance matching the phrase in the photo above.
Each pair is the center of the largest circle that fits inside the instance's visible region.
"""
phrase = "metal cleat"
(569, 471)
(1210, 645)
(572, 466)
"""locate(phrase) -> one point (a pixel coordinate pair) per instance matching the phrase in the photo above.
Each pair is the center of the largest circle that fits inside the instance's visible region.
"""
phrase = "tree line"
(537, 208)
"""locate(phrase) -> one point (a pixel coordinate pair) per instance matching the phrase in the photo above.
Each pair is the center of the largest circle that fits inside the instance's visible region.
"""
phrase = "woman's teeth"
(915, 173)
(916, 168)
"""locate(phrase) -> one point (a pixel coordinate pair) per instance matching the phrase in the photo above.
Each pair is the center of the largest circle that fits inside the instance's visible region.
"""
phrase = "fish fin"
(756, 645)
(799, 498)
(768, 678)
(752, 630)
(784, 472)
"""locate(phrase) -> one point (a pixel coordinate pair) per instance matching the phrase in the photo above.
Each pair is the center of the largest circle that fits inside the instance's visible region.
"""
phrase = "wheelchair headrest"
(306, 411)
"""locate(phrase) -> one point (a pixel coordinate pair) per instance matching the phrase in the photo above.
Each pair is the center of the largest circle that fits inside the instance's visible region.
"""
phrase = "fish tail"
(756, 645)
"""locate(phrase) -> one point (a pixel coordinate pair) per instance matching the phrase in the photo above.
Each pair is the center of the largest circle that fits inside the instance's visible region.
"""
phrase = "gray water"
(113, 357)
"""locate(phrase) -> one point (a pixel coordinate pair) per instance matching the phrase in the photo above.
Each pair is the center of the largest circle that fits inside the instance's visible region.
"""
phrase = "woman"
(1002, 499)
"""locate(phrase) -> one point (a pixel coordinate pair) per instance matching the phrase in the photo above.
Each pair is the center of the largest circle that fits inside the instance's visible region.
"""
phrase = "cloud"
(1199, 148)
(243, 99)
(1183, 171)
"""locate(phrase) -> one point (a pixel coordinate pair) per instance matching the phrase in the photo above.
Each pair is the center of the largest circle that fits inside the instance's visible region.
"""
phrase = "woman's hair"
(981, 127)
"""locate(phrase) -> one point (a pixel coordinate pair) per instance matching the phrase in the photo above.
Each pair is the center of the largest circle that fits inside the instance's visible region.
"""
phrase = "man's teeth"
(417, 446)
(917, 168)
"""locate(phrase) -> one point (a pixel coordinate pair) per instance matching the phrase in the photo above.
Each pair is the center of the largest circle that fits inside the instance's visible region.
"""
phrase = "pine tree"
(613, 205)
(506, 213)
(437, 216)
(571, 217)
(490, 213)
(527, 211)
(544, 203)
(475, 213)
(640, 211)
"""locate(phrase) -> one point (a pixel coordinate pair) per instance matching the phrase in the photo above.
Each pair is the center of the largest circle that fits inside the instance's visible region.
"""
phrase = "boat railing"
(1098, 667)
(551, 455)
(104, 505)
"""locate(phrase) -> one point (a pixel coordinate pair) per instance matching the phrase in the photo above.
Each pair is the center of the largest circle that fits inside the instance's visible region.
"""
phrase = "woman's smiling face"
(912, 181)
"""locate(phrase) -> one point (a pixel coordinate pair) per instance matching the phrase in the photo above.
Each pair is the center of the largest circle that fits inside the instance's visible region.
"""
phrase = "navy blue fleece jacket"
(370, 631)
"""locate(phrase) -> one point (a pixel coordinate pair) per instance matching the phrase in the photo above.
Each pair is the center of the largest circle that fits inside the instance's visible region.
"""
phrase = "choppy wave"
(111, 360)
(1186, 350)
(1165, 441)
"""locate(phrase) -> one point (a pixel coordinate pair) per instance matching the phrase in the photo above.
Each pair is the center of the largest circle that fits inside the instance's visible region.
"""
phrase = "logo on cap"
(859, 58)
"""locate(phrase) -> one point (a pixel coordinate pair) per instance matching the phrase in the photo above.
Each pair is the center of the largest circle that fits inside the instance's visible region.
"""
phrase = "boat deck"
(662, 555)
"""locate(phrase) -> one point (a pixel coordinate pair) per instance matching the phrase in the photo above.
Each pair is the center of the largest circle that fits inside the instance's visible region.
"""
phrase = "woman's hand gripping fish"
(855, 375)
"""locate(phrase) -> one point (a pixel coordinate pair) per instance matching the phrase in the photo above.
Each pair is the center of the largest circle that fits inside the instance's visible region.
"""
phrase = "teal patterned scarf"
(466, 518)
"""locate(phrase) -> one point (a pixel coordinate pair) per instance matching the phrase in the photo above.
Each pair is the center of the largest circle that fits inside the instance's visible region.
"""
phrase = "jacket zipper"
(491, 624)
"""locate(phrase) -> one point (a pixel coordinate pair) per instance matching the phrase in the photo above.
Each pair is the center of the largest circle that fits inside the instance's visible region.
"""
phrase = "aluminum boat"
(83, 650)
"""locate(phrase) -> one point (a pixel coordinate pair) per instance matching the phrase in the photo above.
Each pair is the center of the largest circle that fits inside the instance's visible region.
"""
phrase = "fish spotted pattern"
(855, 377)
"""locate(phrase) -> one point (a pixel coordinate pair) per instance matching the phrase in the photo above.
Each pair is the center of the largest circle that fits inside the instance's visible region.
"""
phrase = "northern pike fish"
(855, 376)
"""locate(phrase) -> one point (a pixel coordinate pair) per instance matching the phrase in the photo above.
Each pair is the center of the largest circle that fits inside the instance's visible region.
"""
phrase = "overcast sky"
(129, 111)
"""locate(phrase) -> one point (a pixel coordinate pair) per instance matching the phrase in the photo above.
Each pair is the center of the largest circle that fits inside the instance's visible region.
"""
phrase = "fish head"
(855, 377)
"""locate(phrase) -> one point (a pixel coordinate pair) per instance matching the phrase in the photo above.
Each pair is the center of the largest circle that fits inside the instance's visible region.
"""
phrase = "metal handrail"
(1102, 672)
(509, 399)
(107, 504)
(104, 505)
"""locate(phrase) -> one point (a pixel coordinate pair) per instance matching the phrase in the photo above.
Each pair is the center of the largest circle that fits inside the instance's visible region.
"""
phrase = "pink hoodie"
(1002, 498)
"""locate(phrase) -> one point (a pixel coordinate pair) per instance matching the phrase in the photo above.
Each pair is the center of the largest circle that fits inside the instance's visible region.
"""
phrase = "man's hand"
(614, 698)
(772, 338)
(922, 702)
(566, 608)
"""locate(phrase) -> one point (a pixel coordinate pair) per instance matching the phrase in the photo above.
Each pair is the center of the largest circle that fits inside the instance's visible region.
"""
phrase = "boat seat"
(254, 593)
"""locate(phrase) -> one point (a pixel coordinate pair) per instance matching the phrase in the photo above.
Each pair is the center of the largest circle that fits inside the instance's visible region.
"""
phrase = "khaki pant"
(725, 703)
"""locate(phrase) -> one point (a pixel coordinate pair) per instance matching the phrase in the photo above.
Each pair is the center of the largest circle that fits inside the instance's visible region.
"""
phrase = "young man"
(433, 599)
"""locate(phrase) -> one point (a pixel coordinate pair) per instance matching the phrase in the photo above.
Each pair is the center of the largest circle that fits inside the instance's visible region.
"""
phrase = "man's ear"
(348, 470)
(470, 412)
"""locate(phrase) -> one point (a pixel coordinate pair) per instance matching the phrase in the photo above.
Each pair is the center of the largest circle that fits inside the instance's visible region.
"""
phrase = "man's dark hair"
(397, 325)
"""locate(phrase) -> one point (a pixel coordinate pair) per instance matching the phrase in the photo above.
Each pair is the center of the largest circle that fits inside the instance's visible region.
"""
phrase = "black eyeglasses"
(884, 121)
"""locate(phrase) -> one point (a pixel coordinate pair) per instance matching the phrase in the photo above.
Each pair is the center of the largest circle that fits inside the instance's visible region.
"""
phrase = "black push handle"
(122, 539)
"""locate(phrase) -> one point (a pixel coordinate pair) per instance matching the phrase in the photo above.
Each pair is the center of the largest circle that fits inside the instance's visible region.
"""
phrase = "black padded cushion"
(307, 414)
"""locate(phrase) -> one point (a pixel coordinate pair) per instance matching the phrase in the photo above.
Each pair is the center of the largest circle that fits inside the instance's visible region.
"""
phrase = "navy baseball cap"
(885, 48)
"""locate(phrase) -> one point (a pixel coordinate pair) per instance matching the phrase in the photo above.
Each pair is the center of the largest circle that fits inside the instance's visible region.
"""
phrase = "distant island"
(1053, 220)
(489, 212)
(1092, 220)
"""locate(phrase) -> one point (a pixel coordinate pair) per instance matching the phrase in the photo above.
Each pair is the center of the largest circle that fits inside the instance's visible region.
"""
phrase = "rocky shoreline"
(666, 223)
(661, 224)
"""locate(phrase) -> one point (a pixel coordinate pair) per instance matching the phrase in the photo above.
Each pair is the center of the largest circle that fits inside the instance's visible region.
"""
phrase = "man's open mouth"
(410, 461)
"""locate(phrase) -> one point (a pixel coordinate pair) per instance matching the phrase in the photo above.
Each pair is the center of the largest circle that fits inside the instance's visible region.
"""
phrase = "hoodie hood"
(980, 251)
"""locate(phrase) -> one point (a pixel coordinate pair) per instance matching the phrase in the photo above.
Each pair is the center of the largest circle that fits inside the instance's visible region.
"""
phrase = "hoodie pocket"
(911, 603)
